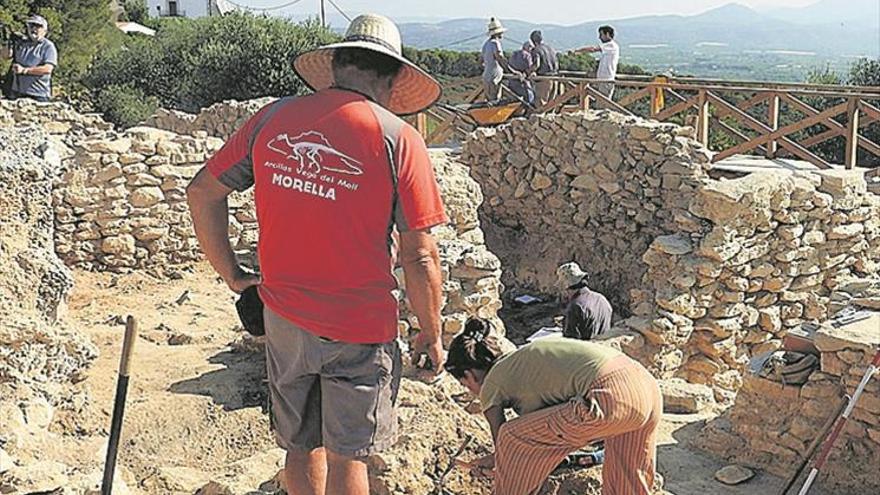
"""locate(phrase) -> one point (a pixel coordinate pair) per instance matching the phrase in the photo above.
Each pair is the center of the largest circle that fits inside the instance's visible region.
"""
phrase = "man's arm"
(495, 417)
(574, 322)
(207, 199)
(499, 57)
(536, 62)
(421, 267)
(40, 70)
(588, 49)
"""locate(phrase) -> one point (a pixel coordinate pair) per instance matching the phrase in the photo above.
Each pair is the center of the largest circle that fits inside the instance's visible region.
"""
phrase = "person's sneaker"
(581, 459)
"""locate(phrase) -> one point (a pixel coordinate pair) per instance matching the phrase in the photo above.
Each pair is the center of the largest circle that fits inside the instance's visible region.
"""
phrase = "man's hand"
(423, 343)
(482, 466)
(17, 69)
(241, 280)
(421, 268)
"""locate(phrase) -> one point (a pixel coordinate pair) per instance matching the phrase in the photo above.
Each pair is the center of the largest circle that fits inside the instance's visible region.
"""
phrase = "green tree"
(193, 63)
(136, 11)
(865, 72)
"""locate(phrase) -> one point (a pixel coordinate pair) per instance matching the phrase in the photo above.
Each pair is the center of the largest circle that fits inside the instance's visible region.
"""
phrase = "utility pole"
(323, 19)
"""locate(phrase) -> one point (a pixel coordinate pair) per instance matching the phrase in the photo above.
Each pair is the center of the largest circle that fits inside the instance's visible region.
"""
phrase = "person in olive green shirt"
(568, 393)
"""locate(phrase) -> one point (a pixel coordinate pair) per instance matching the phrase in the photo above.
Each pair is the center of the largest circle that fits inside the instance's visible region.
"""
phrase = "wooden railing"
(767, 118)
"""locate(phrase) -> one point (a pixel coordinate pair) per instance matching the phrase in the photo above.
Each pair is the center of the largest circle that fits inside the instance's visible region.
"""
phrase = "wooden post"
(584, 98)
(703, 118)
(852, 132)
(422, 124)
(773, 122)
(655, 96)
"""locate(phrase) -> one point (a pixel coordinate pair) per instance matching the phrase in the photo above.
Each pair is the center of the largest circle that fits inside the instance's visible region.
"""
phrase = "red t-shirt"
(324, 168)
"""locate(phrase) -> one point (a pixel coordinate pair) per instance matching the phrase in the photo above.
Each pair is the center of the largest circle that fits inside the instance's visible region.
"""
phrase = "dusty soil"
(196, 403)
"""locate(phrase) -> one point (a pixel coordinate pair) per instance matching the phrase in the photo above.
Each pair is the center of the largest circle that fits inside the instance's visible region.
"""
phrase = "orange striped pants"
(623, 407)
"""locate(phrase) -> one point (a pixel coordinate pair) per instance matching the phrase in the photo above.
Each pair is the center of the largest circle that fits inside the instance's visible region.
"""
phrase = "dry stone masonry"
(121, 205)
(122, 201)
(772, 425)
(712, 270)
(219, 120)
(708, 271)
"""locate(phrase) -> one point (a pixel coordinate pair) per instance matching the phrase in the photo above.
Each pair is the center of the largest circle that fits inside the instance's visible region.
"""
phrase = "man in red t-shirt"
(340, 181)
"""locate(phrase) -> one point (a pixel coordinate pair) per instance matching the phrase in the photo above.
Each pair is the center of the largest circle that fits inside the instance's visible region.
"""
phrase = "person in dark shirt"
(523, 61)
(548, 65)
(589, 313)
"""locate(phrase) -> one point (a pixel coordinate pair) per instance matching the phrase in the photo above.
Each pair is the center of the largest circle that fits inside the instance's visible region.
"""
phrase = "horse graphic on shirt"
(314, 153)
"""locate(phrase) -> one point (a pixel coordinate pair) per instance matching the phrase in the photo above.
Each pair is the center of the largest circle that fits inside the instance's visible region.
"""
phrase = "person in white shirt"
(607, 70)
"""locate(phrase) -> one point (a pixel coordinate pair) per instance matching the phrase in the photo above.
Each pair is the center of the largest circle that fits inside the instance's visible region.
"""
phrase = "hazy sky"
(556, 11)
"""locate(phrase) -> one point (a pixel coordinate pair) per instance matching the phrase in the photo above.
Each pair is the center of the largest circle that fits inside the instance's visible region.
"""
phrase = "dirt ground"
(196, 403)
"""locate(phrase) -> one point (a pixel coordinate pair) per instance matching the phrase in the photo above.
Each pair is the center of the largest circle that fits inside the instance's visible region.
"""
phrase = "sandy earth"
(199, 404)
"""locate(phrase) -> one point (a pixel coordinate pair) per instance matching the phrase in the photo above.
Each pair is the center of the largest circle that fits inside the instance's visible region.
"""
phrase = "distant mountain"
(864, 13)
(734, 26)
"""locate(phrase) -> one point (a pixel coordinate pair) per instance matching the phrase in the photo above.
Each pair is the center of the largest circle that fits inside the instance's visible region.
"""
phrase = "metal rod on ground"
(829, 442)
(832, 418)
(468, 438)
(119, 404)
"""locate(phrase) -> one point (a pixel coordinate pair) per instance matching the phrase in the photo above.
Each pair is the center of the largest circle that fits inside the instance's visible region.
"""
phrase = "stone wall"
(713, 271)
(219, 120)
(780, 249)
(596, 188)
(121, 205)
(771, 426)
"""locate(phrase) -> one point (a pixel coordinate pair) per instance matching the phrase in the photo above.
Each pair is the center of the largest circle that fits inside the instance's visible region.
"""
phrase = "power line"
(339, 10)
(264, 9)
(458, 42)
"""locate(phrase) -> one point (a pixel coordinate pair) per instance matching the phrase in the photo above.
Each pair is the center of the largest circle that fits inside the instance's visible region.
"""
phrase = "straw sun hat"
(494, 27)
(413, 89)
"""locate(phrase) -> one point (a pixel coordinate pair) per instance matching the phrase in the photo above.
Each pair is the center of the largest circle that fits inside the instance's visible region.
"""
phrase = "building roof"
(133, 27)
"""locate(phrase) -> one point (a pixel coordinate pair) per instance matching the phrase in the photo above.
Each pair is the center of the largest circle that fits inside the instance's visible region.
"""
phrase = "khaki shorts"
(606, 88)
(330, 394)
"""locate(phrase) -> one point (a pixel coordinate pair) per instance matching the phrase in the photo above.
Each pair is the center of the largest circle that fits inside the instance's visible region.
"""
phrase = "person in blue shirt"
(34, 58)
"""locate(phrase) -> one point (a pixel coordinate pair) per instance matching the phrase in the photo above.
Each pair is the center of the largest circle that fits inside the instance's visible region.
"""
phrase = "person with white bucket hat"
(340, 182)
(589, 313)
(494, 63)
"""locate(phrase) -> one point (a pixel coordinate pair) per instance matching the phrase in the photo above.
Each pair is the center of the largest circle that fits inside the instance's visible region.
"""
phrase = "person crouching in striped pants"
(568, 393)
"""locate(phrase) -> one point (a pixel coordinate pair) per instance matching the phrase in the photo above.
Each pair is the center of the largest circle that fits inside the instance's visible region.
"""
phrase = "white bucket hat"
(494, 27)
(413, 89)
(571, 276)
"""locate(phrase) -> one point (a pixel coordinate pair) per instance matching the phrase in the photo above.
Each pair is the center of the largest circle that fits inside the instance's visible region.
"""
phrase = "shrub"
(125, 105)
(191, 64)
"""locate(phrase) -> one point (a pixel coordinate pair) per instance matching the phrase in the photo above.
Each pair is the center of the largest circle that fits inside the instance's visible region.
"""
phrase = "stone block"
(144, 197)
(681, 397)
(122, 245)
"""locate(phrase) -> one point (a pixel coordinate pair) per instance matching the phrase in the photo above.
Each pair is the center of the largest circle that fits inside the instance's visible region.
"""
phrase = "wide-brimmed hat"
(571, 276)
(413, 89)
(38, 20)
(494, 27)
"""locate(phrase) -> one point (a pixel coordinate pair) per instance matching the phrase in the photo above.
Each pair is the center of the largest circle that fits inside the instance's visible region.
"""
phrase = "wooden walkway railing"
(766, 118)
